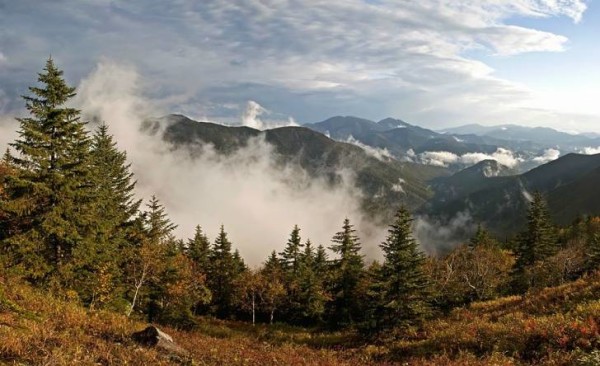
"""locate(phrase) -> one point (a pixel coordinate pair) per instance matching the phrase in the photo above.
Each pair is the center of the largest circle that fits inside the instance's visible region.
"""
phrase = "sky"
(432, 63)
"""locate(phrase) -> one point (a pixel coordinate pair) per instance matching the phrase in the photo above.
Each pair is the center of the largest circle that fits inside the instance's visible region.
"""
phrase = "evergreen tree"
(148, 263)
(537, 243)
(158, 225)
(311, 291)
(404, 284)
(99, 268)
(321, 261)
(290, 257)
(223, 275)
(273, 292)
(348, 272)
(481, 237)
(52, 197)
(199, 251)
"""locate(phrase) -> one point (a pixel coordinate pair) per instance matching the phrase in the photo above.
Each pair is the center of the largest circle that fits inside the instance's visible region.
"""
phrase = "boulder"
(154, 337)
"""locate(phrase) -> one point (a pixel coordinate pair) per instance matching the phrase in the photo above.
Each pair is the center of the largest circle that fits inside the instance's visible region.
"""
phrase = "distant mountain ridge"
(491, 193)
(569, 183)
(385, 184)
(539, 135)
(396, 136)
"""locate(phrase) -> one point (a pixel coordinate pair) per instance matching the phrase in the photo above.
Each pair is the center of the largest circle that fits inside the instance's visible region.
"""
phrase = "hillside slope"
(569, 184)
(385, 183)
(555, 326)
(37, 329)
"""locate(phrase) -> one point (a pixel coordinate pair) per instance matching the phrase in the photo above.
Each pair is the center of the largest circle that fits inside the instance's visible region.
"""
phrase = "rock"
(154, 337)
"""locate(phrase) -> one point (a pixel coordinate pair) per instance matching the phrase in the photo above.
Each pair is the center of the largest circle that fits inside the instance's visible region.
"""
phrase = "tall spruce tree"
(348, 271)
(321, 261)
(404, 284)
(52, 197)
(311, 288)
(537, 243)
(99, 272)
(481, 237)
(224, 271)
(291, 255)
(199, 251)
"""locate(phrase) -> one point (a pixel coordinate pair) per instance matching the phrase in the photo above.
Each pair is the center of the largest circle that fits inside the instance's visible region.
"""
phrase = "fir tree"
(404, 284)
(149, 260)
(481, 237)
(321, 261)
(199, 251)
(223, 275)
(348, 271)
(158, 226)
(52, 197)
(311, 292)
(115, 208)
(290, 257)
(537, 243)
(273, 292)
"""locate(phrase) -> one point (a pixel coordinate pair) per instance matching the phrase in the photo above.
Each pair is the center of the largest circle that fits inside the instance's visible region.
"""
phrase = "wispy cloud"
(445, 158)
(308, 59)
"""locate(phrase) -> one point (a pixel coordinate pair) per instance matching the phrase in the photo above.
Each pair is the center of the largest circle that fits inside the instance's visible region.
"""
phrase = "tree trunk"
(137, 290)
(253, 310)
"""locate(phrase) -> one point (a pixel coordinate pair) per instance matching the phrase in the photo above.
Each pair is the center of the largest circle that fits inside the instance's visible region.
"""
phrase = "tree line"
(70, 223)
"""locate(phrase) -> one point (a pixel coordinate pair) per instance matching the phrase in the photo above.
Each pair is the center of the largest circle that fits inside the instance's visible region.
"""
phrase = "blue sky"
(432, 63)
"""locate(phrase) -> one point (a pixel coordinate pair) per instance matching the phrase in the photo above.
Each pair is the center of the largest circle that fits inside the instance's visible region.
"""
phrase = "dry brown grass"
(556, 326)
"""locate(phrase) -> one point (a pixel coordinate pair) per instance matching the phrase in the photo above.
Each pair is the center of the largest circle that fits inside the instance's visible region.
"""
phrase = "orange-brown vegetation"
(554, 326)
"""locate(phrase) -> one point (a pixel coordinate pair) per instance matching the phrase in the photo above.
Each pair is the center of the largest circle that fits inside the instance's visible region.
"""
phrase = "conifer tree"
(99, 268)
(404, 284)
(199, 251)
(290, 257)
(481, 237)
(348, 271)
(311, 291)
(224, 271)
(273, 292)
(321, 260)
(51, 197)
(537, 243)
(148, 261)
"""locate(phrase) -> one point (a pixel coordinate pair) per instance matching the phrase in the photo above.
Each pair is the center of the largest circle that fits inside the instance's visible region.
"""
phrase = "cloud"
(445, 158)
(251, 118)
(258, 200)
(591, 150)
(501, 155)
(308, 59)
(251, 114)
(548, 156)
(379, 154)
(397, 187)
(438, 158)
(436, 236)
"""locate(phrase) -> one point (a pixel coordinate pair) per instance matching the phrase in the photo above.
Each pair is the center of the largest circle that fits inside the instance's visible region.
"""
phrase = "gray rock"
(154, 337)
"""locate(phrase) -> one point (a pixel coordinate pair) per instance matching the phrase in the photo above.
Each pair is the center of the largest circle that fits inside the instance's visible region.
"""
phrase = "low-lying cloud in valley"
(501, 155)
(591, 150)
(548, 156)
(256, 199)
(445, 158)
(377, 153)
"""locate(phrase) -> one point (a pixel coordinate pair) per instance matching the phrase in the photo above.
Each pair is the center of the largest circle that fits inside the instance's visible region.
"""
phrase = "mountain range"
(490, 192)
